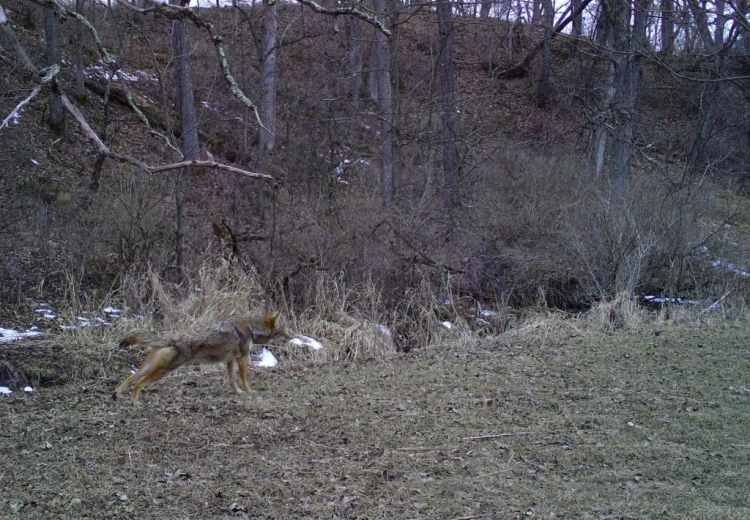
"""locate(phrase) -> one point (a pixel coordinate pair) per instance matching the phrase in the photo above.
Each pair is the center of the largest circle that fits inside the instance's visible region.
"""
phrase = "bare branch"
(49, 74)
(348, 10)
(104, 150)
(208, 164)
(173, 12)
(520, 69)
(20, 51)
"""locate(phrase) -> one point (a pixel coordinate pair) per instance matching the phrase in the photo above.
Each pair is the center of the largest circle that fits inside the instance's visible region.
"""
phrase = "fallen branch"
(421, 449)
(20, 51)
(49, 74)
(421, 257)
(104, 150)
(494, 436)
(208, 164)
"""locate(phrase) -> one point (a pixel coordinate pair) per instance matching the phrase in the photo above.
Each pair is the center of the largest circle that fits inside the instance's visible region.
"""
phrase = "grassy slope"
(632, 425)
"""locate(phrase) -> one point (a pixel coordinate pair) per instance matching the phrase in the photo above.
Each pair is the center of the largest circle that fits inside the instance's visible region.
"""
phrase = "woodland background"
(505, 154)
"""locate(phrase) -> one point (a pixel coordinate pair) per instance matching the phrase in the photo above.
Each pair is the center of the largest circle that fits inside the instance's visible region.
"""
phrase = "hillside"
(523, 184)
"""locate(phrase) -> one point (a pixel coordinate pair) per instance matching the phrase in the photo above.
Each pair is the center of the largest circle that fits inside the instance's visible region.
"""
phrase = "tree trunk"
(447, 75)
(543, 90)
(701, 23)
(267, 104)
(53, 57)
(484, 11)
(381, 85)
(536, 15)
(667, 26)
(354, 33)
(627, 80)
(721, 21)
(80, 78)
(189, 127)
(577, 19)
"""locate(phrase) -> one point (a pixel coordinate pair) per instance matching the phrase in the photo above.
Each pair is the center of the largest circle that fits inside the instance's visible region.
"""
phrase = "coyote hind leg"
(153, 375)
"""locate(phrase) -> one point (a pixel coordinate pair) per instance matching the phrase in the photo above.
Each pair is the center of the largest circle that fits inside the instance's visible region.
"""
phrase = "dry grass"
(585, 425)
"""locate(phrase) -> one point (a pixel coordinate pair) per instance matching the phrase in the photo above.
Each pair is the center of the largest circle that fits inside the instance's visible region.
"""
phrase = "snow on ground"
(304, 341)
(266, 359)
(8, 335)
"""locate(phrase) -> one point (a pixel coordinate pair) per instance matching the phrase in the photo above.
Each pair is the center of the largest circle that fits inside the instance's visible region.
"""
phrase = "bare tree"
(626, 76)
(53, 56)
(543, 91)
(267, 104)
(667, 26)
(381, 89)
(355, 59)
(447, 75)
(80, 33)
(189, 129)
(484, 11)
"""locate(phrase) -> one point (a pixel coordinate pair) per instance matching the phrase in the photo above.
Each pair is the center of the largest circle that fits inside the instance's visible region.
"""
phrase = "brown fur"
(228, 342)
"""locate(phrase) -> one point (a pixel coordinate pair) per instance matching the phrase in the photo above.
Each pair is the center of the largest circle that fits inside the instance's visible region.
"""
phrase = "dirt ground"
(654, 424)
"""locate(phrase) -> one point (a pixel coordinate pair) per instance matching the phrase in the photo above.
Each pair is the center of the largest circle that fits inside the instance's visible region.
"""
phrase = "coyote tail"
(143, 337)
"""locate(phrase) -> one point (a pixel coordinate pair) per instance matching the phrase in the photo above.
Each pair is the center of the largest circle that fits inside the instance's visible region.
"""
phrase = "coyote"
(228, 341)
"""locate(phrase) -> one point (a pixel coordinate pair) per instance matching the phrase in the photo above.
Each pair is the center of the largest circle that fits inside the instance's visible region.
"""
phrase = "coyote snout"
(228, 341)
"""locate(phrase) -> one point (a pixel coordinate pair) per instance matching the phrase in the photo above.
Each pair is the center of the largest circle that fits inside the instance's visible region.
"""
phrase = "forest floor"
(641, 424)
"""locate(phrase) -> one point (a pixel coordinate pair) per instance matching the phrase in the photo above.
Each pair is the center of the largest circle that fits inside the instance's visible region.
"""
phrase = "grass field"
(648, 424)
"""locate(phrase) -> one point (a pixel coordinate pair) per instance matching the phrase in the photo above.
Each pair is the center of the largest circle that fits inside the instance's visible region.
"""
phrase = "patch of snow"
(5, 390)
(17, 118)
(35, 161)
(487, 313)
(661, 299)
(305, 341)
(385, 330)
(447, 324)
(28, 389)
(8, 335)
(266, 359)
(85, 322)
(111, 310)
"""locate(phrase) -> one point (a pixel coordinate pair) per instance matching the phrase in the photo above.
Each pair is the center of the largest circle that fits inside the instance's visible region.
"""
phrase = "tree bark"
(484, 11)
(543, 91)
(267, 104)
(577, 18)
(355, 59)
(53, 56)
(627, 76)
(80, 88)
(447, 74)
(381, 84)
(667, 26)
(189, 120)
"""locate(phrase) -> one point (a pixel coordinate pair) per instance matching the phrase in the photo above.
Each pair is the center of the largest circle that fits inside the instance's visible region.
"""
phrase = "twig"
(421, 449)
(494, 436)
(349, 10)
(717, 302)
